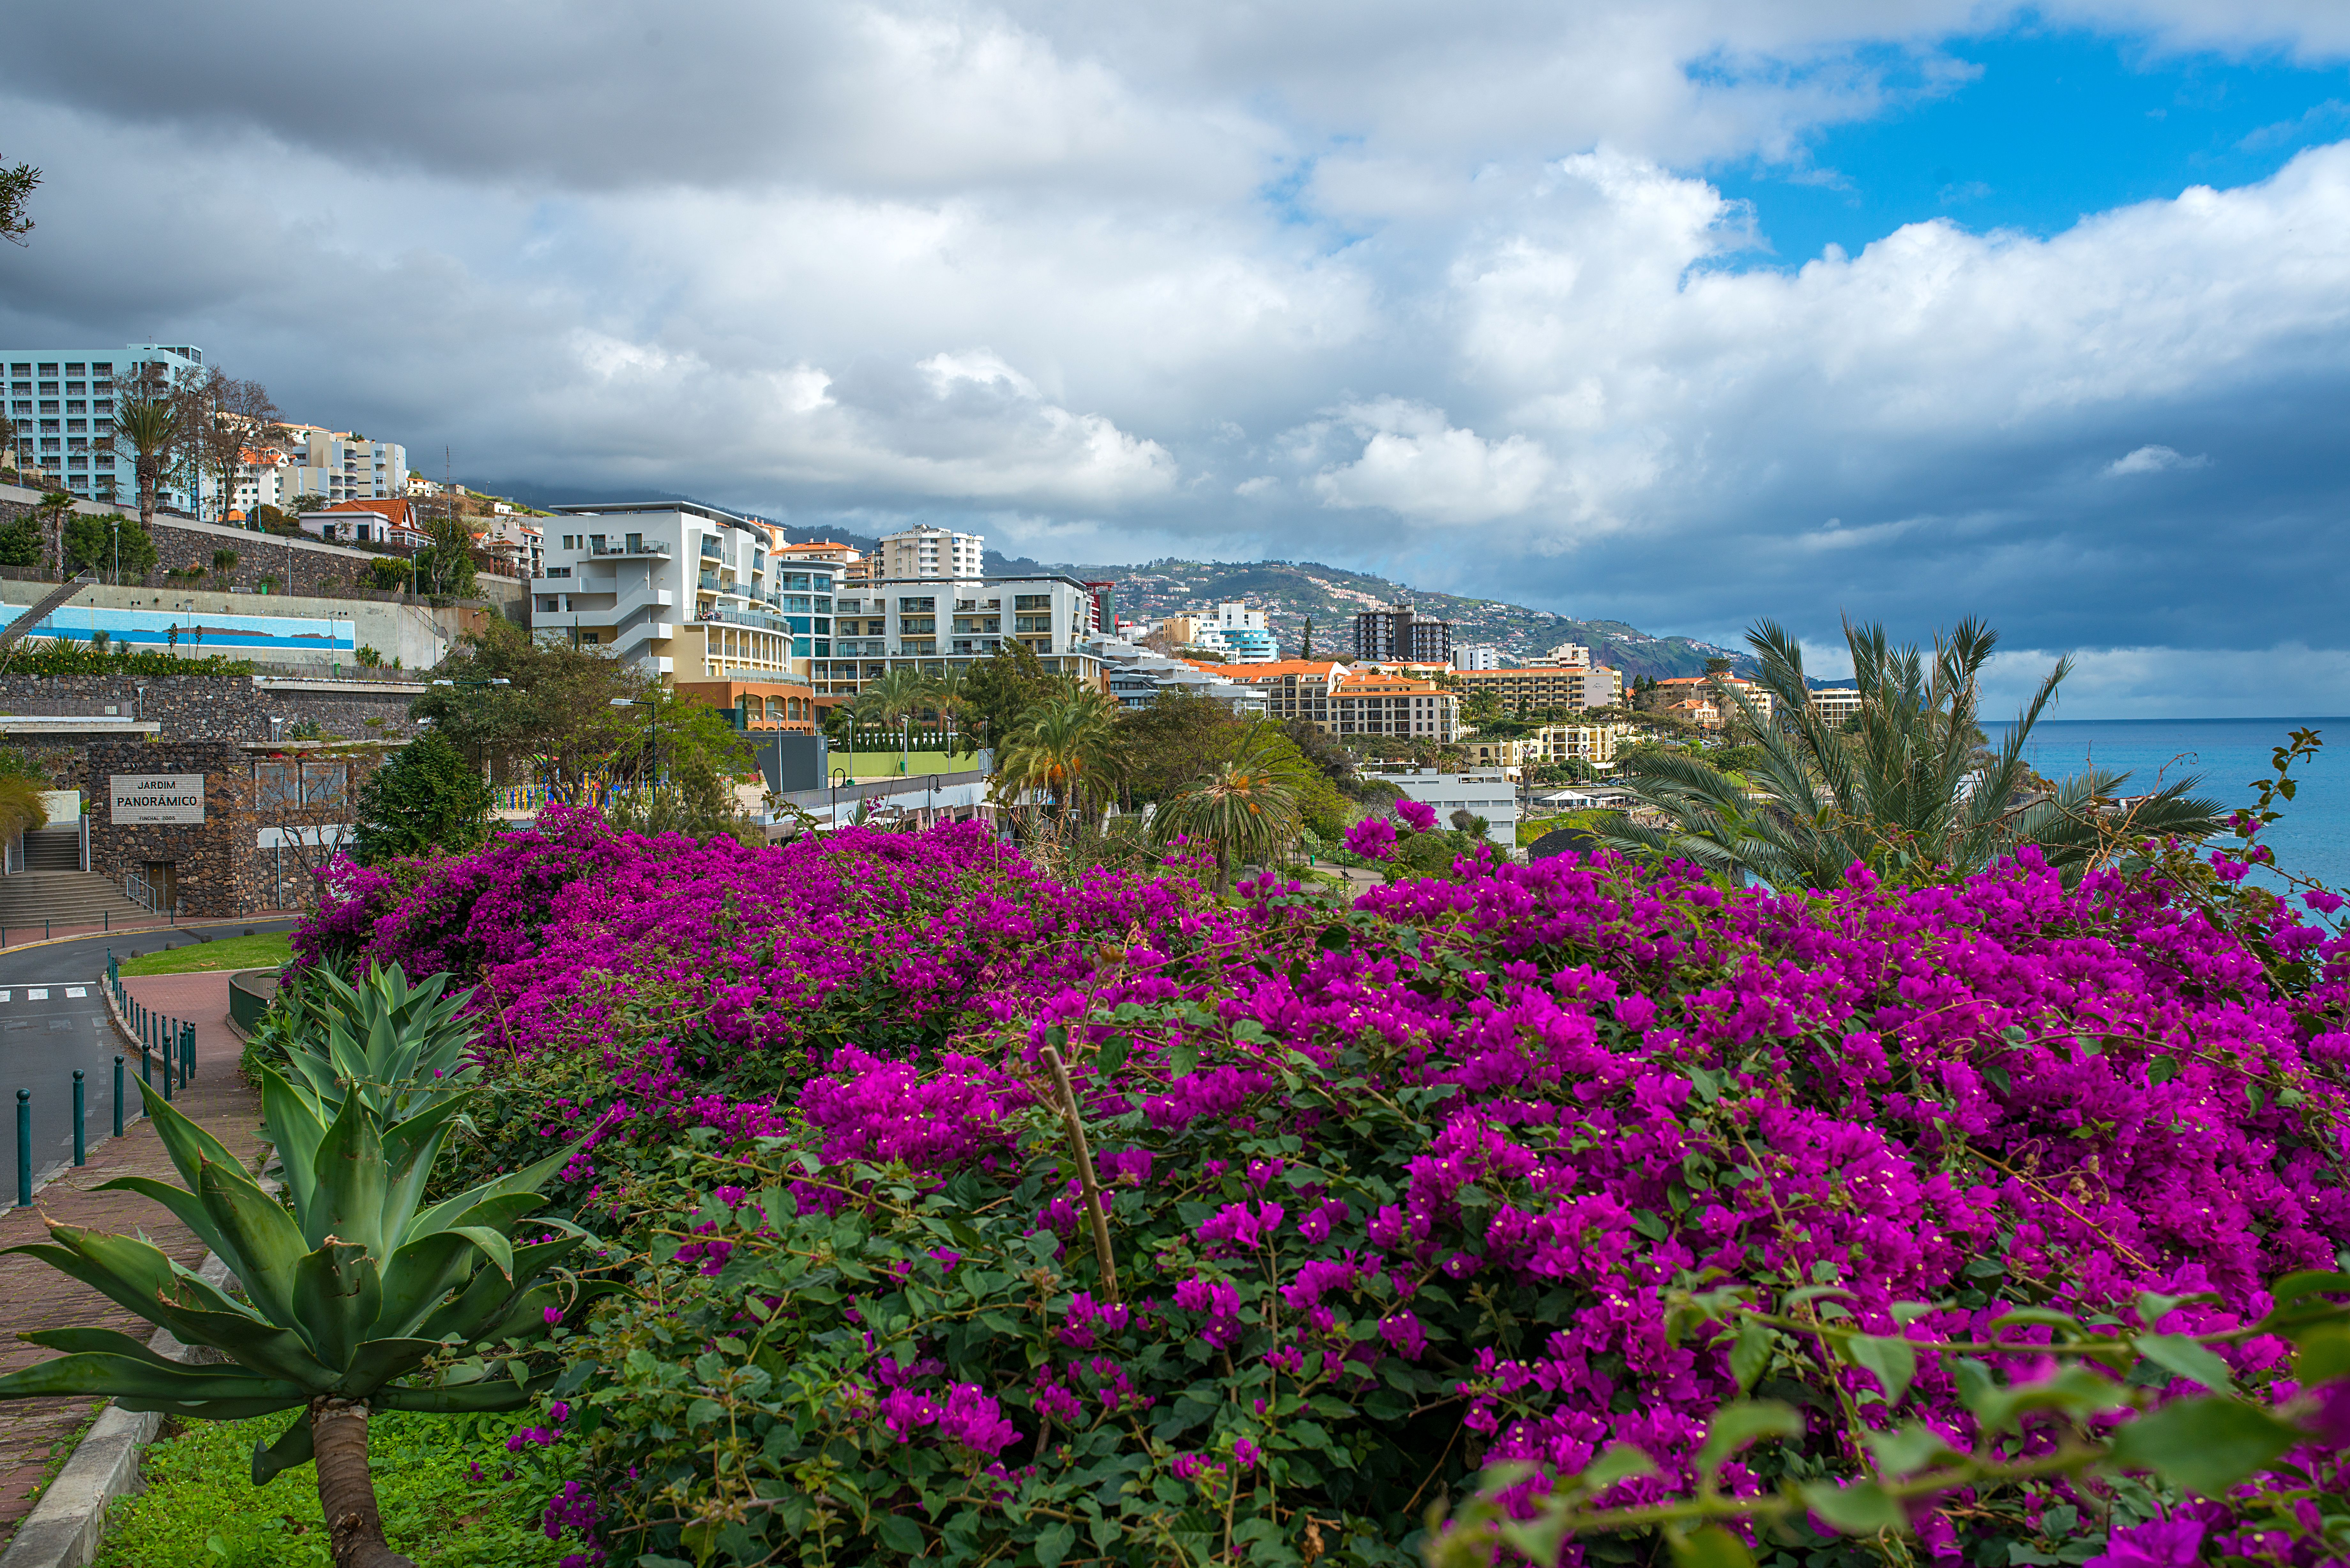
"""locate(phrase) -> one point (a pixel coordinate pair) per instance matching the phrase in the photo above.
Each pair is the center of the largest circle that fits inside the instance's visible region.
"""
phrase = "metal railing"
(641, 548)
(139, 891)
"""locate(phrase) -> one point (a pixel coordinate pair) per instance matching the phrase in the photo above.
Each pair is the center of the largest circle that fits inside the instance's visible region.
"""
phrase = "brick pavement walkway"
(34, 1295)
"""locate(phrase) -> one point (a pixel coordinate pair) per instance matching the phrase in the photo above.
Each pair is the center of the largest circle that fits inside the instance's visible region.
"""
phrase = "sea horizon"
(2227, 756)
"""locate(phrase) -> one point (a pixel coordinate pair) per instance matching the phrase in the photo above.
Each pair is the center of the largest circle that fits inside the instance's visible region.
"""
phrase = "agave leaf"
(419, 1277)
(291, 1448)
(99, 1341)
(134, 1288)
(347, 1199)
(489, 1394)
(189, 1145)
(493, 1245)
(185, 1206)
(258, 1239)
(410, 1148)
(528, 1179)
(378, 1361)
(338, 1292)
(213, 1409)
(295, 1127)
(269, 1349)
(99, 1372)
(499, 1214)
(481, 1304)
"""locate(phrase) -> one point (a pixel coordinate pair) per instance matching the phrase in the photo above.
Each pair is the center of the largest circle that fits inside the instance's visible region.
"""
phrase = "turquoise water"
(2313, 837)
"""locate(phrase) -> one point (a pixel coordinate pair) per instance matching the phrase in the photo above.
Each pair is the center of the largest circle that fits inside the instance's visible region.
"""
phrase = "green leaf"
(96, 1372)
(337, 1294)
(1735, 1425)
(2176, 1353)
(898, 1533)
(265, 1247)
(1709, 1547)
(346, 1200)
(291, 1448)
(2287, 1296)
(2324, 1354)
(1053, 1543)
(1862, 1508)
(2153, 1306)
(2047, 1317)
(291, 1124)
(1894, 1361)
(1618, 1462)
(1751, 1354)
(2203, 1445)
(1909, 1448)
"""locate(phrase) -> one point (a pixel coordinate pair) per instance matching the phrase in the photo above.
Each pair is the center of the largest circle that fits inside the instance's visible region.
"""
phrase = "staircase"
(53, 849)
(65, 896)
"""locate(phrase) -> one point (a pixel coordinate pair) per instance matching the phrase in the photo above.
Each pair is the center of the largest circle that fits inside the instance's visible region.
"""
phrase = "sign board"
(141, 799)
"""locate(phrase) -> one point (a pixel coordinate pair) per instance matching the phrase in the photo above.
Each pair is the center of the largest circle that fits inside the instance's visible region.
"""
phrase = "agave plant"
(403, 1046)
(350, 1287)
(1911, 791)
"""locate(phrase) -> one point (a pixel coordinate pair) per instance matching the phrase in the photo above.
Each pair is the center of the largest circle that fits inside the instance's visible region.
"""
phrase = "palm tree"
(1070, 748)
(150, 426)
(53, 509)
(1912, 791)
(1246, 809)
(895, 699)
(953, 697)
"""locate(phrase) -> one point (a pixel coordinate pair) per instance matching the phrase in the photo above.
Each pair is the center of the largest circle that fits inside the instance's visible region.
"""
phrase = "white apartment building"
(1135, 677)
(929, 552)
(1836, 703)
(1488, 792)
(62, 405)
(1569, 656)
(690, 591)
(1476, 656)
(1238, 632)
(328, 466)
(936, 625)
(517, 541)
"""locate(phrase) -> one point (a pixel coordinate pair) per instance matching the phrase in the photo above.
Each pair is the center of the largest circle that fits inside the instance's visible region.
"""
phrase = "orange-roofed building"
(1294, 688)
(1397, 705)
(380, 520)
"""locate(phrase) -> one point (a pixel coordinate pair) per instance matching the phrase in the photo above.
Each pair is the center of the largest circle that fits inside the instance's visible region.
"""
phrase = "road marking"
(77, 990)
(37, 994)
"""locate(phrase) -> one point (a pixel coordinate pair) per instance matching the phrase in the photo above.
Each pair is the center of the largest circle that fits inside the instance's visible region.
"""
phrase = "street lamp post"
(653, 710)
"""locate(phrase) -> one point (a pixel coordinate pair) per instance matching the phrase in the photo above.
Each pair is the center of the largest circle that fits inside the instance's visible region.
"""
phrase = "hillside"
(1291, 591)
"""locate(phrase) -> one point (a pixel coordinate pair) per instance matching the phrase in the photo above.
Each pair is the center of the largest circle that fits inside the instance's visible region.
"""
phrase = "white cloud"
(1426, 289)
(2153, 460)
(1417, 466)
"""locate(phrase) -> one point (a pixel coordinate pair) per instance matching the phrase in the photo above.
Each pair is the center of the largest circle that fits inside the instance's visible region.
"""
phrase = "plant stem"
(338, 1436)
(1093, 1198)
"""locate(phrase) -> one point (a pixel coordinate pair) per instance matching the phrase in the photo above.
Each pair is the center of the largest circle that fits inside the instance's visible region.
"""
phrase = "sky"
(1681, 312)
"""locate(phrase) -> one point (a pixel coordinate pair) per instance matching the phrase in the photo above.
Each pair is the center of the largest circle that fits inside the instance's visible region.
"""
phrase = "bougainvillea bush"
(1532, 1164)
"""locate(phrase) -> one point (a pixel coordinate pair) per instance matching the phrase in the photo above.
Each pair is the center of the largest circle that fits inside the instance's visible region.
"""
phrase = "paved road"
(52, 1020)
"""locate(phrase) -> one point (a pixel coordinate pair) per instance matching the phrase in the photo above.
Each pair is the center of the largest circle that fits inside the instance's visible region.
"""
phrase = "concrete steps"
(52, 848)
(64, 898)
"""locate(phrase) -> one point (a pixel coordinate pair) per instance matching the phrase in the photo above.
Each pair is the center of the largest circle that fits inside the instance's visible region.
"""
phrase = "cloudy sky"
(1680, 311)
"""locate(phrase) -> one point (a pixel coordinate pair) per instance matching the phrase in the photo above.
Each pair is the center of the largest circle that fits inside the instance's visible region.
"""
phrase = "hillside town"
(177, 498)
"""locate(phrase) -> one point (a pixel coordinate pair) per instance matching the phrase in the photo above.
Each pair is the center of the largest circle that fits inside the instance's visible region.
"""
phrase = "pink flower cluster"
(1633, 1081)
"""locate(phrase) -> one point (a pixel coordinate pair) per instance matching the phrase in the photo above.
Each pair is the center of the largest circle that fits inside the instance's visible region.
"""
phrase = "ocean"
(2311, 839)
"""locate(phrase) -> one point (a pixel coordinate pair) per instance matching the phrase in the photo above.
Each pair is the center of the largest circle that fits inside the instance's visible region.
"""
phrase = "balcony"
(632, 547)
(739, 618)
(709, 579)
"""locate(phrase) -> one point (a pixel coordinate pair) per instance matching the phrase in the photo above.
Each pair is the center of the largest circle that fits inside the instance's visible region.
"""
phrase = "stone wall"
(295, 565)
(221, 708)
(218, 866)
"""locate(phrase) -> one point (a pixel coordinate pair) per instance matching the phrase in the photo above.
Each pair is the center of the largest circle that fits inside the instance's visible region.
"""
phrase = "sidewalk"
(33, 1295)
(18, 936)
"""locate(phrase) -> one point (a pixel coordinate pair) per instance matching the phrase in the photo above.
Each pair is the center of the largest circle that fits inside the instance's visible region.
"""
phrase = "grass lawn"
(265, 952)
(884, 764)
(200, 1509)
